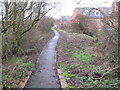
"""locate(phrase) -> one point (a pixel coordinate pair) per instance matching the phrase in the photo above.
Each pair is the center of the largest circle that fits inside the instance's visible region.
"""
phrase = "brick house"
(93, 14)
(116, 11)
(115, 5)
(65, 21)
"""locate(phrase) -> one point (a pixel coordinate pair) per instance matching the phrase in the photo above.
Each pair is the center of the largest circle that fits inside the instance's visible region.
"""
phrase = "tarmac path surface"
(45, 75)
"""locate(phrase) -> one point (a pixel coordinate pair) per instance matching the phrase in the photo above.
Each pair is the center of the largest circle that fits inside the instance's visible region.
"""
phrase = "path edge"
(62, 80)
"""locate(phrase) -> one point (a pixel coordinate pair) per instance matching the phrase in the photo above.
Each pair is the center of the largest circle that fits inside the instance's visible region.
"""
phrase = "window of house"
(110, 12)
(97, 13)
(86, 12)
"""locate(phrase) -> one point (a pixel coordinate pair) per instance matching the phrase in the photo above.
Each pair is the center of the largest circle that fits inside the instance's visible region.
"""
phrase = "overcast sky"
(67, 6)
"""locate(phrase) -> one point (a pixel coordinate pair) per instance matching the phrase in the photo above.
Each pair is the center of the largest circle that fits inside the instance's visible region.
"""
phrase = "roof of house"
(116, 1)
(66, 18)
(92, 12)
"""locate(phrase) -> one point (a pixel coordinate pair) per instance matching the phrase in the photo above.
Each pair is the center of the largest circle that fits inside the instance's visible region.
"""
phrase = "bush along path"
(45, 75)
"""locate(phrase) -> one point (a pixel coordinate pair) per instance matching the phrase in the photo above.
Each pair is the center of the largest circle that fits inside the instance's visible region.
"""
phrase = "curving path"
(45, 76)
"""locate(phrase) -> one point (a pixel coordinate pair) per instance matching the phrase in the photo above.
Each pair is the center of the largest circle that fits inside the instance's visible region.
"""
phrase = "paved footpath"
(45, 76)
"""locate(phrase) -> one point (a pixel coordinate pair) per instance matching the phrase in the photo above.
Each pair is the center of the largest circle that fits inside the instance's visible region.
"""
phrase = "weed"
(68, 67)
(73, 87)
(84, 57)
(98, 44)
(65, 44)
(78, 66)
(70, 52)
(41, 38)
(58, 30)
(89, 81)
(88, 84)
(67, 75)
(15, 71)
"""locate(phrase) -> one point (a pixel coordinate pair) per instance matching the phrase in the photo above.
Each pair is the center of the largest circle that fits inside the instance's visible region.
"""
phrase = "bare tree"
(17, 19)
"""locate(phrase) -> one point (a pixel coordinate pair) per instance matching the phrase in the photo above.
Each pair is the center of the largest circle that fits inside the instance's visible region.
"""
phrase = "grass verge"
(83, 67)
(16, 69)
(87, 80)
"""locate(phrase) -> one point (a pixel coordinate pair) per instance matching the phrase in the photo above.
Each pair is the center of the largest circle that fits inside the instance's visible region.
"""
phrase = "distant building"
(115, 12)
(65, 21)
(115, 5)
(66, 18)
(93, 14)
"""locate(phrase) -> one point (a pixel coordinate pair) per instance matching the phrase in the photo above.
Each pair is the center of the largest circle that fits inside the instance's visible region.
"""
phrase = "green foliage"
(78, 66)
(15, 70)
(41, 38)
(95, 37)
(59, 30)
(72, 87)
(67, 75)
(65, 44)
(84, 57)
(105, 82)
(89, 81)
(68, 67)
(88, 84)
(65, 72)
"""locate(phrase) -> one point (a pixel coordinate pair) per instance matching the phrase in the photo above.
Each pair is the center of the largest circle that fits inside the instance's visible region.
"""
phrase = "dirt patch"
(69, 43)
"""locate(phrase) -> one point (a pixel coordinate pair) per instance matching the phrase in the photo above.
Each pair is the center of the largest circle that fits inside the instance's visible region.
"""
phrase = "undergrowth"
(88, 81)
(84, 64)
(14, 70)
(84, 57)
